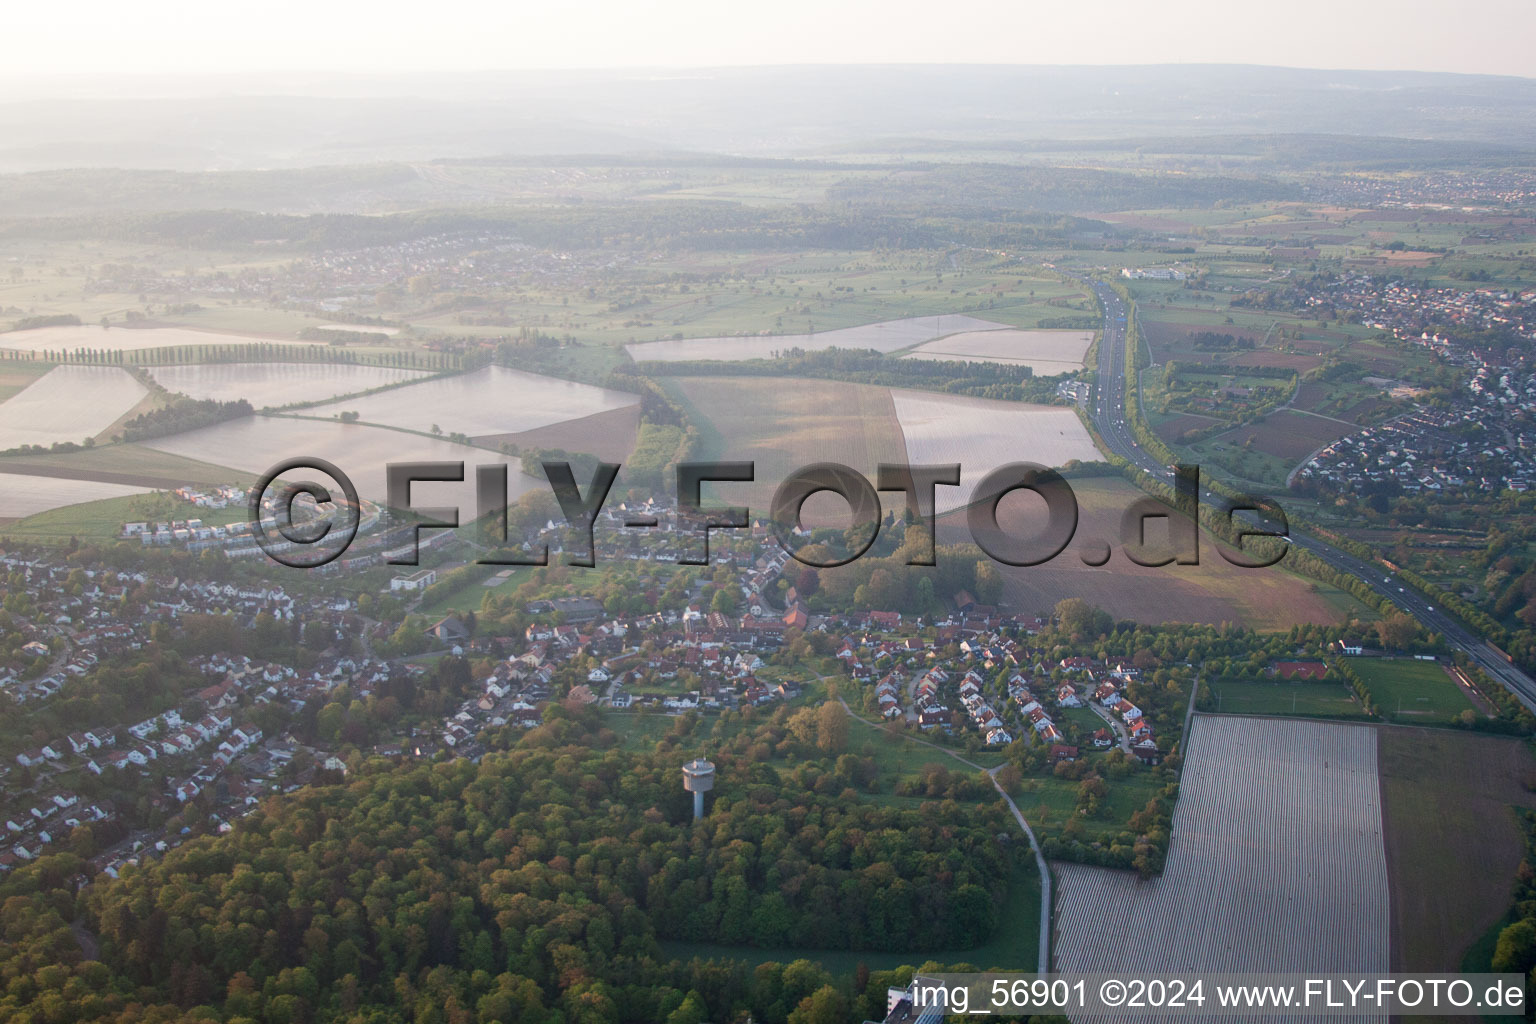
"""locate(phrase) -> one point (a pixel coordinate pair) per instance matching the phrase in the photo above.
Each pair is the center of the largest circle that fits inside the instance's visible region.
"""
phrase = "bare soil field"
(1046, 352)
(608, 435)
(1276, 863)
(276, 384)
(1214, 591)
(494, 400)
(68, 403)
(1287, 434)
(888, 336)
(1453, 842)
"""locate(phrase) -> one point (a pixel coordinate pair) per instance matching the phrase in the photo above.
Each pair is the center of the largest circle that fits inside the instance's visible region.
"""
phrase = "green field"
(1282, 697)
(1412, 692)
(103, 520)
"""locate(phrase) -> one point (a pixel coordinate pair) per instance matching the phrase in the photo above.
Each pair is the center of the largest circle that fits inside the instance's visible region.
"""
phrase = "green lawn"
(1282, 697)
(1058, 797)
(1412, 692)
(468, 599)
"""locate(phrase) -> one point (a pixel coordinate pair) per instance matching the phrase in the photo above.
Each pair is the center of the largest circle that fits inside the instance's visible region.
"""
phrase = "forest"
(534, 886)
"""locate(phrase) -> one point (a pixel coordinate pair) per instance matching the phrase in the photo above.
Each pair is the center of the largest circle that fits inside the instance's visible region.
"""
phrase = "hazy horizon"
(172, 37)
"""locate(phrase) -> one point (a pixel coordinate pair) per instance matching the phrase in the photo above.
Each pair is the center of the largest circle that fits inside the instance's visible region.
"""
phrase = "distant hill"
(303, 121)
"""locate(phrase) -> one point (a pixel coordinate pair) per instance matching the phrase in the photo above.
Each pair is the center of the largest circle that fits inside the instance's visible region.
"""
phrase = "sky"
(157, 37)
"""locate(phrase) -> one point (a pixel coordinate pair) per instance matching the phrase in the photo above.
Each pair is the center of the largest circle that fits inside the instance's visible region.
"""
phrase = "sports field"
(1412, 692)
(1284, 697)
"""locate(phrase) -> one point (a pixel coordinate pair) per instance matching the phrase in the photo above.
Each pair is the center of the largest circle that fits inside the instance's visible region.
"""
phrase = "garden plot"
(981, 434)
(495, 400)
(888, 336)
(255, 443)
(22, 496)
(1046, 352)
(1277, 863)
(277, 384)
(68, 403)
(130, 339)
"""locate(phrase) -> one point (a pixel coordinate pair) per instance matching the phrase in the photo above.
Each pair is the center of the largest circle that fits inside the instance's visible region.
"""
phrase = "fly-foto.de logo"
(330, 523)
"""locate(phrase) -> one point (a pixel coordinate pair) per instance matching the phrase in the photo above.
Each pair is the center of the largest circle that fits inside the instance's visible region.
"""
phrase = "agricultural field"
(132, 464)
(276, 384)
(1276, 863)
(23, 496)
(783, 425)
(887, 336)
(609, 436)
(1303, 698)
(255, 443)
(1212, 592)
(493, 400)
(981, 435)
(1288, 435)
(1175, 428)
(1354, 401)
(16, 375)
(1449, 802)
(1412, 692)
(68, 403)
(1048, 353)
(128, 339)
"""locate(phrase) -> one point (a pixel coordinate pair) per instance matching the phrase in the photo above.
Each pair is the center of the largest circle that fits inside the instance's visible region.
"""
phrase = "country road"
(1029, 833)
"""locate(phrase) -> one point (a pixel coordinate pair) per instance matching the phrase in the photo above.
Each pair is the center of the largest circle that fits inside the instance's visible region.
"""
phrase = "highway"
(1107, 409)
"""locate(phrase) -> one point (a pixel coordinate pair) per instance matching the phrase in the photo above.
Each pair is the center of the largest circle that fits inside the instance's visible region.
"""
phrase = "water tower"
(698, 779)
